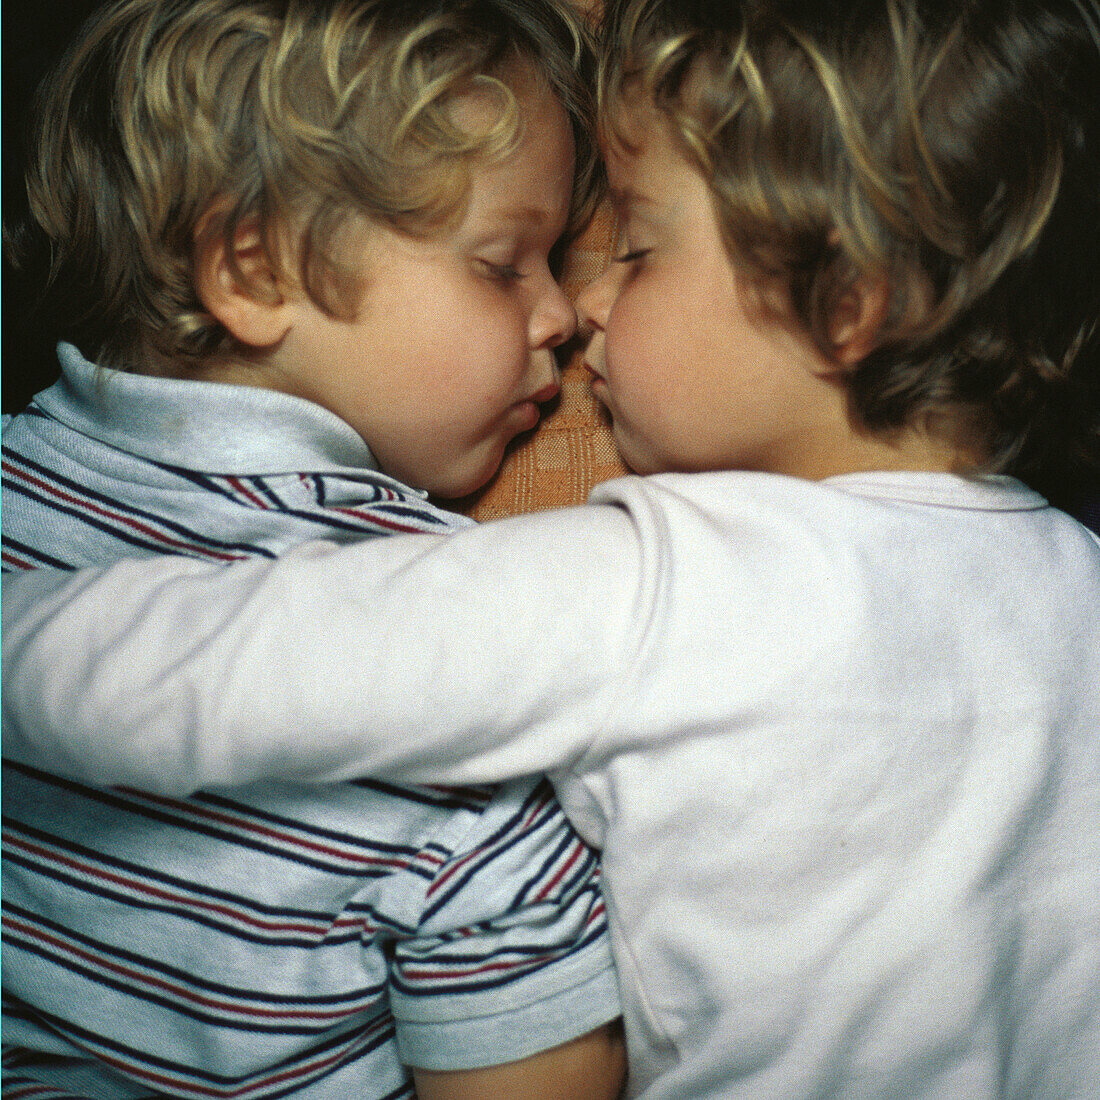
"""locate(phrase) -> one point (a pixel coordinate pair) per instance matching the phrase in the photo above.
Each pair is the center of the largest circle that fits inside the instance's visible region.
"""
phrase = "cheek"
(635, 340)
(468, 345)
(497, 326)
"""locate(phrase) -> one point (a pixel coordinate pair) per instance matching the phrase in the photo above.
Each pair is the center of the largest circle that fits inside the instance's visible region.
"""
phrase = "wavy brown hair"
(167, 116)
(947, 149)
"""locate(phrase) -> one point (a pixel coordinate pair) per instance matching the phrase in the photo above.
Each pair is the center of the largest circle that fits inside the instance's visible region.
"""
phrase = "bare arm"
(591, 1067)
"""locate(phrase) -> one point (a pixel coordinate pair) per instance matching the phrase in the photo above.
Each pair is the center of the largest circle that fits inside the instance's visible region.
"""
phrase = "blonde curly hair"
(171, 116)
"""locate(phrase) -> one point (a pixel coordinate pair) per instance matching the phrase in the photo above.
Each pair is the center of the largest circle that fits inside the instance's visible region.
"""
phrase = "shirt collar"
(987, 492)
(210, 426)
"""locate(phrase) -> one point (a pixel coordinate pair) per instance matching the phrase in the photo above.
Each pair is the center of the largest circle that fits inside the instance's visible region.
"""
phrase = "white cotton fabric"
(839, 741)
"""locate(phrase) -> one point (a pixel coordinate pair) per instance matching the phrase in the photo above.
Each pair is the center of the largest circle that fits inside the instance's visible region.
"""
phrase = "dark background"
(35, 33)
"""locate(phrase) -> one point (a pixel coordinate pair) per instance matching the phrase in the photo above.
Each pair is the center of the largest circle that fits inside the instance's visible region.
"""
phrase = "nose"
(595, 300)
(553, 320)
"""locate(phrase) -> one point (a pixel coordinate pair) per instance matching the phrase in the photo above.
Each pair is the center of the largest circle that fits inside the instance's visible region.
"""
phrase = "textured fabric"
(272, 940)
(840, 743)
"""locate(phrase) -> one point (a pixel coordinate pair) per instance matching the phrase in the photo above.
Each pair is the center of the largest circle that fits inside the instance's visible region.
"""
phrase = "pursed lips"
(595, 376)
(547, 393)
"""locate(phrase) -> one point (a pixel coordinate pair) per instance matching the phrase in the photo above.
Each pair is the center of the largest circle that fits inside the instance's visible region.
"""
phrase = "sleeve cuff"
(513, 1032)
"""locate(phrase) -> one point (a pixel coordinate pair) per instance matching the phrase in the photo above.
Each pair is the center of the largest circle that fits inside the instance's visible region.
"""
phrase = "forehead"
(643, 160)
(532, 184)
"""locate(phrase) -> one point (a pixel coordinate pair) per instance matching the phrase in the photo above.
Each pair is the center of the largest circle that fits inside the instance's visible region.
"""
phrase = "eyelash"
(633, 256)
(506, 273)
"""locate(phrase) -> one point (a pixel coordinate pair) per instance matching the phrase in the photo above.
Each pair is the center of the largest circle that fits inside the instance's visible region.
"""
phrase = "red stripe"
(536, 809)
(478, 853)
(245, 825)
(228, 1094)
(578, 848)
(126, 521)
(455, 974)
(460, 975)
(19, 563)
(141, 978)
(139, 887)
(246, 492)
(389, 524)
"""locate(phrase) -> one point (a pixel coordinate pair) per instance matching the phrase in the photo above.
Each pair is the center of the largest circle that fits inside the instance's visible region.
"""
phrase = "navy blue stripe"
(149, 517)
(23, 1085)
(254, 997)
(227, 834)
(510, 833)
(15, 941)
(135, 900)
(414, 510)
(302, 828)
(121, 535)
(144, 873)
(541, 958)
(448, 798)
(38, 555)
(146, 1059)
(201, 480)
(223, 925)
(363, 527)
(34, 409)
(410, 509)
(546, 871)
(231, 837)
(262, 487)
(522, 951)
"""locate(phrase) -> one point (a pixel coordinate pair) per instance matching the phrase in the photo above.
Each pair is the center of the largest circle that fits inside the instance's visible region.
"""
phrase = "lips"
(529, 409)
(547, 393)
(596, 381)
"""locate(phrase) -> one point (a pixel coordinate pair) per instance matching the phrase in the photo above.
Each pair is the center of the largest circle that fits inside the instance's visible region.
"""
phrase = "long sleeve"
(468, 658)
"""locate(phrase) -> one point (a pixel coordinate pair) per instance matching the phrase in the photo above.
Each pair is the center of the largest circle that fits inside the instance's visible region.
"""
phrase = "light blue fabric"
(246, 940)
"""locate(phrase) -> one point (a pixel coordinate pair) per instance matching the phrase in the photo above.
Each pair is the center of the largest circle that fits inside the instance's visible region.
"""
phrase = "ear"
(857, 320)
(243, 293)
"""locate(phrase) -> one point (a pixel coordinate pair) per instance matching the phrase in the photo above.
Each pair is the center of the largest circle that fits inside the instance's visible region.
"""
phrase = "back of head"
(945, 150)
(173, 118)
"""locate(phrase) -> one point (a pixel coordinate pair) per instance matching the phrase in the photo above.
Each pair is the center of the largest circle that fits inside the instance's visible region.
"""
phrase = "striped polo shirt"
(272, 940)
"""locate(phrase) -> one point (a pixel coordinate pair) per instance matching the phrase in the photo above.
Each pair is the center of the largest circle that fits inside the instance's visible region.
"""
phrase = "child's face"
(692, 377)
(452, 349)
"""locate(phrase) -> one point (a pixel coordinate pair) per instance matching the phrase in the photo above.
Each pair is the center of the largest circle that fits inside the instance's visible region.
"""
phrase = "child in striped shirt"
(319, 237)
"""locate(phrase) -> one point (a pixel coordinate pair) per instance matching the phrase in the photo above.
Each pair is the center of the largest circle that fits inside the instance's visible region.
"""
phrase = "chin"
(637, 463)
(456, 487)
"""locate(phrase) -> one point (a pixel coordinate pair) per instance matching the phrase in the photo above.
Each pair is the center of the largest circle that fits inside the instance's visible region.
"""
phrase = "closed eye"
(633, 256)
(506, 273)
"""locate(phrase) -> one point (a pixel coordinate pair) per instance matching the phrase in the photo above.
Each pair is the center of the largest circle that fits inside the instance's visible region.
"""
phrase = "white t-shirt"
(839, 741)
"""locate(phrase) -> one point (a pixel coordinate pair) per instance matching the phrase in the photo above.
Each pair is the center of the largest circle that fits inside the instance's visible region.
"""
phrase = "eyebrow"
(525, 214)
(623, 197)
